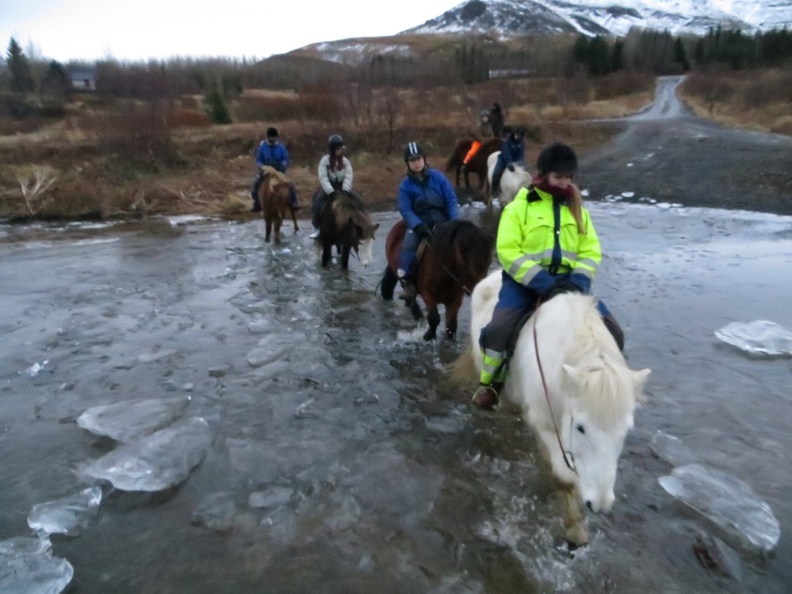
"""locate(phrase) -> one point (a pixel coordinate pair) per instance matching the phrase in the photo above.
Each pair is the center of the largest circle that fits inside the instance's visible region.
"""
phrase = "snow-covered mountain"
(505, 18)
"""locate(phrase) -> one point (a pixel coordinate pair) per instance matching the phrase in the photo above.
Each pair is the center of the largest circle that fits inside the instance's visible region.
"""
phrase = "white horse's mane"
(607, 386)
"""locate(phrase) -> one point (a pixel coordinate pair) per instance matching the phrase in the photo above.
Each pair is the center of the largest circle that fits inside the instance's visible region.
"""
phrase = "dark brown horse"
(457, 257)
(345, 224)
(274, 197)
(477, 163)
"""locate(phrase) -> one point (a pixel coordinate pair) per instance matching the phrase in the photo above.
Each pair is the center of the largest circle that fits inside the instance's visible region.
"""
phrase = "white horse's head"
(599, 413)
(366, 243)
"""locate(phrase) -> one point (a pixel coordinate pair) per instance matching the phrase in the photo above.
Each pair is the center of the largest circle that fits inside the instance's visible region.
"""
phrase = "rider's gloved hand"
(511, 166)
(422, 231)
(564, 286)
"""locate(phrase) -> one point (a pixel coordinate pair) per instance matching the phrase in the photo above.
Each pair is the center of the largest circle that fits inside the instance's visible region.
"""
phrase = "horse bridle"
(569, 457)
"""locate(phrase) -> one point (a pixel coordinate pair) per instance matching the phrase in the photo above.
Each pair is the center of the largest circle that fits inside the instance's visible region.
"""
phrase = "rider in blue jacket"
(512, 151)
(426, 198)
(273, 153)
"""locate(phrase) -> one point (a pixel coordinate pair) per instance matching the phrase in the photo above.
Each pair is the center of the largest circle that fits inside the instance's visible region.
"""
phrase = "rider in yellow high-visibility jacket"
(546, 245)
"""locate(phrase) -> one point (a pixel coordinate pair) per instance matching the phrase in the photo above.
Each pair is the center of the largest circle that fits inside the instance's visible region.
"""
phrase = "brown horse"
(477, 163)
(457, 257)
(345, 224)
(274, 197)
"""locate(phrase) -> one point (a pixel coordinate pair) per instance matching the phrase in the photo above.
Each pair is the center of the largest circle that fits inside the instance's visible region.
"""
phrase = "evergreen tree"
(680, 56)
(55, 82)
(617, 56)
(19, 69)
(599, 56)
(217, 109)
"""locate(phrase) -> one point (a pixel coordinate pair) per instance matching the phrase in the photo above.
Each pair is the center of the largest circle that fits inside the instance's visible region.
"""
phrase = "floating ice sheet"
(126, 421)
(759, 337)
(728, 502)
(26, 566)
(66, 516)
(672, 449)
(157, 461)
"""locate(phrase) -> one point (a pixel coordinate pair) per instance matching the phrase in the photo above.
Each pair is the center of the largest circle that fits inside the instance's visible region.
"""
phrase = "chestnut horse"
(448, 267)
(274, 197)
(345, 224)
(477, 163)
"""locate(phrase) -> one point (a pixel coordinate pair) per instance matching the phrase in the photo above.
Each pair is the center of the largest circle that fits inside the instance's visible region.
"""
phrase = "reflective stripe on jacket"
(527, 245)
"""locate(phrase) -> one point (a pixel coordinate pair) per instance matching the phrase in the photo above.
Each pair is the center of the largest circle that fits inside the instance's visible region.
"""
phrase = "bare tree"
(35, 185)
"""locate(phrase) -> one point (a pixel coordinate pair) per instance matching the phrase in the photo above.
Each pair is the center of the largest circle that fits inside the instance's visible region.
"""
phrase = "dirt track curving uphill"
(667, 154)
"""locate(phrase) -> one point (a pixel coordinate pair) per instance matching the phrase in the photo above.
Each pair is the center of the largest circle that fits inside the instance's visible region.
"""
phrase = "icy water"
(340, 460)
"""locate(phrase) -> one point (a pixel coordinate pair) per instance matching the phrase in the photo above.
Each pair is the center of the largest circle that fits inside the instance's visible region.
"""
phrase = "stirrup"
(486, 397)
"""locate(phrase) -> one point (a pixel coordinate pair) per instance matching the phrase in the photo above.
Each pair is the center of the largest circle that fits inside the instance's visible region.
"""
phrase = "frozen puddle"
(157, 461)
(728, 502)
(759, 337)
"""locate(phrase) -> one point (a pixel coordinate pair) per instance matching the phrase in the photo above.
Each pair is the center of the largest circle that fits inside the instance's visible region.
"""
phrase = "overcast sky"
(137, 30)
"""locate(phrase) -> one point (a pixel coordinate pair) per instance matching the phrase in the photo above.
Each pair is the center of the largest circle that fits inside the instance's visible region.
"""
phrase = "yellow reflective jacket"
(527, 247)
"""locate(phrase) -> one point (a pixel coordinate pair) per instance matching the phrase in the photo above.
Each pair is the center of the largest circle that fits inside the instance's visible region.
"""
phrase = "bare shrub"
(34, 185)
(187, 118)
(710, 88)
(623, 82)
(767, 90)
(138, 134)
(249, 108)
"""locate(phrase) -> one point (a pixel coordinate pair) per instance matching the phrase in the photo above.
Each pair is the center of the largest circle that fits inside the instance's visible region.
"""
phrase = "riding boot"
(486, 396)
(256, 206)
(615, 329)
(409, 290)
(293, 199)
(496, 177)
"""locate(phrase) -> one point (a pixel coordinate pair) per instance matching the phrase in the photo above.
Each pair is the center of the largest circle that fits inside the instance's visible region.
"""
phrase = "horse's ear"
(573, 373)
(639, 379)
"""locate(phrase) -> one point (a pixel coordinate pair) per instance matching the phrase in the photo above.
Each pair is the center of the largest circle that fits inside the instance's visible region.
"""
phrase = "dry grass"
(758, 100)
(207, 169)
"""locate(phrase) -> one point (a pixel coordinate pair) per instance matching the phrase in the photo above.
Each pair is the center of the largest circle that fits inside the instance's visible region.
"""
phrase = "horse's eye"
(580, 428)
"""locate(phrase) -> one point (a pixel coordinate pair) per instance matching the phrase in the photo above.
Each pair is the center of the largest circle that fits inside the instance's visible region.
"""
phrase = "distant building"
(83, 80)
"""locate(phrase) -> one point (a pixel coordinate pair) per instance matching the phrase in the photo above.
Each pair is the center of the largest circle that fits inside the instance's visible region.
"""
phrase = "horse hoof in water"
(577, 535)
(430, 334)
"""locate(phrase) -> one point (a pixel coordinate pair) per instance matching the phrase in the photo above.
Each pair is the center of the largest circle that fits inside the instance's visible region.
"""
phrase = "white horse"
(582, 409)
(510, 183)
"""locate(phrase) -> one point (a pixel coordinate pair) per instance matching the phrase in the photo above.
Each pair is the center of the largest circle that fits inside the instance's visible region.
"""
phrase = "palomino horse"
(574, 390)
(510, 183)
(477, 163)
(345, 224)
(273, 195)
(457, 257)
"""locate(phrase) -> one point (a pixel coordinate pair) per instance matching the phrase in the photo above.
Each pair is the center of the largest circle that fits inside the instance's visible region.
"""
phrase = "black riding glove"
(422, 231)
(511, 166)
(564, 286)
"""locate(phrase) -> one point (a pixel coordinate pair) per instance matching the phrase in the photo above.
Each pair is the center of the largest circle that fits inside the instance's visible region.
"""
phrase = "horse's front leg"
(576, 533)
(345, 257)
(433, 318)
(267, 229)
(327, 252)
(294, 218)
(451, 322)
(467, 179)
(278, 222)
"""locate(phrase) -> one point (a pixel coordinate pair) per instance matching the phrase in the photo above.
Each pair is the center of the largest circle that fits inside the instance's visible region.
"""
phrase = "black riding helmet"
(335, 141)
(272, 132)
(556, 158)
(413, 150)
